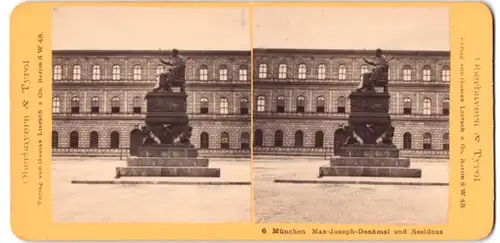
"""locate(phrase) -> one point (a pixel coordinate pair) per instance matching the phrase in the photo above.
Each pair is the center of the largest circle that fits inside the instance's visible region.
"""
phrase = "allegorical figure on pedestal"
(379, 74)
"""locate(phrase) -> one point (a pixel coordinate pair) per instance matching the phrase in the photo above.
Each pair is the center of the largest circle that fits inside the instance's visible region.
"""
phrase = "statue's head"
(378, 52)
(175, 52)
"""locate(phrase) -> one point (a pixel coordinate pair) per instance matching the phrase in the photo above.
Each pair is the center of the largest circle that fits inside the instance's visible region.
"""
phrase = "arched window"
(137, 72)
(301, 104)
(342, 72)
(321, 71)
(115, 105)
(243, 73)
(278, 138)
(446, 141)
(320, 104)
(55, 139)
(245, 140)
(77, 72)
(263, 70)
(137, 104)
(364, 69)
(159, 69)
(445, 74)
(318, 139)
(446, 106)
(204, 105)
(427, 106)
(407, 73)
(116, 72)
(57, 72)
(224, 105)
(280, 103)
(223, 73)
(75, 104)
(299, 139)
(341, 104)
(204, 141)
(115, 139)
(243, 106)
(427, 141)
(94, 104)
(426, 73)
(282, 71)
(302, 71)
(261, 103)
(389, 73)
(224, 140)
(94, 139)
(407, 105)
(203, 73)
(258, 138)
(73, 139)
(56, 104)
(96, 72)
(407, 140)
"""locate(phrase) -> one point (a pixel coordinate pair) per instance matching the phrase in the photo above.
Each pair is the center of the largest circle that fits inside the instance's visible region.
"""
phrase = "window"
(426, 73)
(73, 139)
(258, 138)
(341, 104)
(137, 104)
(159, 69)
(280, 104)
(245, 140)
(407, 140)
(299, 139)
(94, 105)
(203, 73)
(364, 69)
(55, 139)
(77, 72)
(204, 105)
(115, 105)
(261, 103)
(407, 73)
(115, 140)
(282, 71)
(116, 72)
(446, 106)
(224, 105)
(56, 104)
(137, 72)
(263, 70)
(75, 104)
(427, 106)
(278, 138)
(320, 104)
(243, 106)
(342, 72)
(445, 74)
(224, 140)
(57, 73)
(318, 139)
(204, 141)
(427, 141)
(446, 141)
(223, 73)
(389, 73)
(321, 71)
(94, 139)
(302, 71)
(96, 72)
(301, 104)
(406, 106)
(243, 73)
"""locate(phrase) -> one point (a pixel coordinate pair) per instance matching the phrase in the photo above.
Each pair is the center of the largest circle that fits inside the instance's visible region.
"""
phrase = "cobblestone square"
(346, 204)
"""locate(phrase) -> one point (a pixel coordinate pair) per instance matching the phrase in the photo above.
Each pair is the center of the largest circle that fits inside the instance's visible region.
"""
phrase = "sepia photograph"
(151, 115)
(351, 110)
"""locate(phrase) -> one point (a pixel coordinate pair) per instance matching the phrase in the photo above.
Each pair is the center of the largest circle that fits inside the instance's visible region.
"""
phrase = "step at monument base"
(370, 171)
(167, 162)
(159, 171)
(373, 162)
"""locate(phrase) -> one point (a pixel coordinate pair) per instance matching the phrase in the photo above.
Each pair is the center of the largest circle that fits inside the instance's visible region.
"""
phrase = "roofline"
(350, 52)
(149, 52)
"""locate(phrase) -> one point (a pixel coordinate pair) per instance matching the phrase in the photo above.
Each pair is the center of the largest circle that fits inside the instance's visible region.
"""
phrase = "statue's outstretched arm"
(369, 62)
(166, 63)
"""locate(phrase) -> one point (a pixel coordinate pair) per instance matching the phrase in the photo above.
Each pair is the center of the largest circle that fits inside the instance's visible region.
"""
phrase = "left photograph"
(150, 115)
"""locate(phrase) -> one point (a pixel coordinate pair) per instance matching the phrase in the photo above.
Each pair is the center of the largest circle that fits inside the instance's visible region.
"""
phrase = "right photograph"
(351, 115)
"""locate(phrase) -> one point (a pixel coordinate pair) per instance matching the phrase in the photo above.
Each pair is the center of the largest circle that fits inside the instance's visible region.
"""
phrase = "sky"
(133, 28)
(352, 28)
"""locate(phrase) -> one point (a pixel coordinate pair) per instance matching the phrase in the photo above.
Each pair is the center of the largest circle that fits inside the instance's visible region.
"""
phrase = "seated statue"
(176, 76)
(379, 74)
(184, 136)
